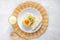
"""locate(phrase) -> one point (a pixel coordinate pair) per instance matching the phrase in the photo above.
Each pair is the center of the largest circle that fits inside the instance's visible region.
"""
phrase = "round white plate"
(21, 16)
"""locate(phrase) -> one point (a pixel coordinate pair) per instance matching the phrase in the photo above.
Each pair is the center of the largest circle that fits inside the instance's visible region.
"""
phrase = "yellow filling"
(26, 22)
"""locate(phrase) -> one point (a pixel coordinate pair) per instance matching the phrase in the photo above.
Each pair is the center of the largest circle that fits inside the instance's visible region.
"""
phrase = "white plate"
(21, 16)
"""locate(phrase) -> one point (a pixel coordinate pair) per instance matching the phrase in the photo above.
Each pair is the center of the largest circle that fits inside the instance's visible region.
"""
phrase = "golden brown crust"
(44, 16)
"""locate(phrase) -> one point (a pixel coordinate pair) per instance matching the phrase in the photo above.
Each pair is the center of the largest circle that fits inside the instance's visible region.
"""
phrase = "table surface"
(52, 7)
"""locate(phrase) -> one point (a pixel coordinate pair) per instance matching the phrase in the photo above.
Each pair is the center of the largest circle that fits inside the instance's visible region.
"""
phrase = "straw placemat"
(36, 6)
